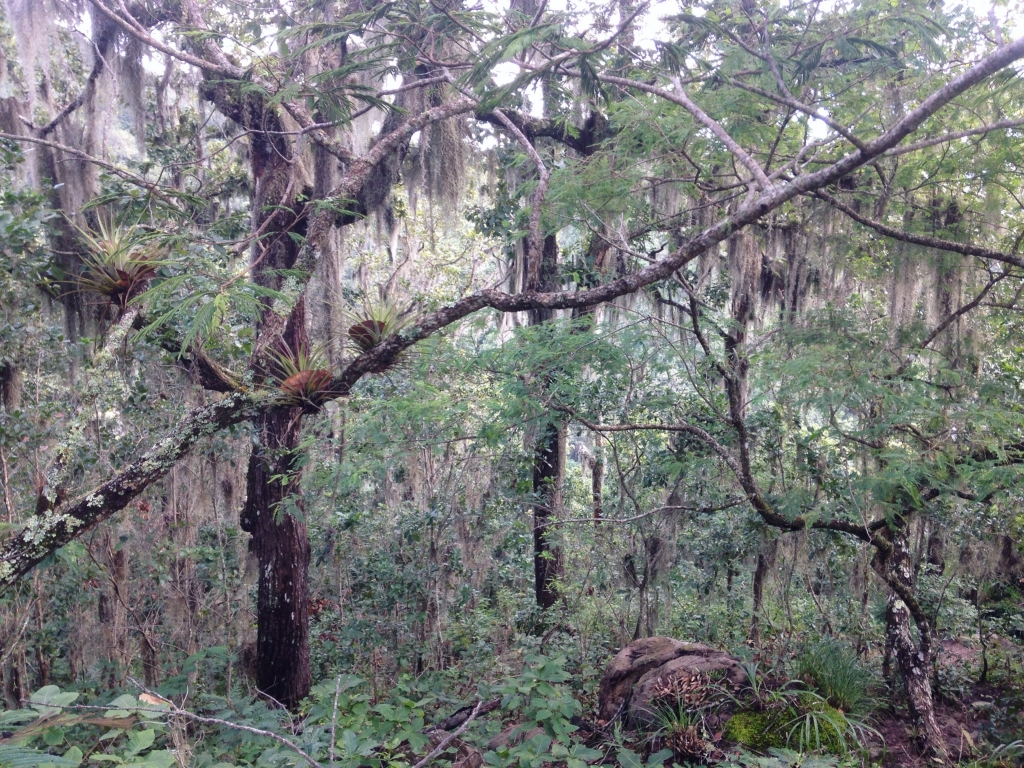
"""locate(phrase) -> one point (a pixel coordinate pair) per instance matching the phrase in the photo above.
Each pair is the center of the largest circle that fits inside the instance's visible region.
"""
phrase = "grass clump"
(833, 670)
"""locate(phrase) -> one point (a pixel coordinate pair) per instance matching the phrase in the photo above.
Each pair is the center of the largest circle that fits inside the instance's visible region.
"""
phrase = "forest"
(511, 383)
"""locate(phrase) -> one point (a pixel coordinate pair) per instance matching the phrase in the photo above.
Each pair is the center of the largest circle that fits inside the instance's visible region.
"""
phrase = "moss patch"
(757, 730)
(814, 728)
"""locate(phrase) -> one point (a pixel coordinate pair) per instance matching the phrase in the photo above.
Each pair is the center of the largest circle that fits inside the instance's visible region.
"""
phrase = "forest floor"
(965, 709)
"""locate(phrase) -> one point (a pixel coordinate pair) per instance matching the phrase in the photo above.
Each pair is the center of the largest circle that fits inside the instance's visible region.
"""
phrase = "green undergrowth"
(809, 724)
(343, 724)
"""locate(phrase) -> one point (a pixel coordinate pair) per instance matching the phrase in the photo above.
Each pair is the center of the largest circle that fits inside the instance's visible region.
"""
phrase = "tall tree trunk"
(279, 538)
(281, 546)
(913, 659)
(548, 458)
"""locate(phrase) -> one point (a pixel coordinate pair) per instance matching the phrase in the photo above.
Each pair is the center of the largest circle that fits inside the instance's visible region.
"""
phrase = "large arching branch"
(48, 533)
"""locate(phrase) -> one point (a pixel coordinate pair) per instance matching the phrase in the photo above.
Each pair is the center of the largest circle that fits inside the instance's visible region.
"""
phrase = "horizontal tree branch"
(1001, 125)
(48, 532)
(149, 186)
(965, 249)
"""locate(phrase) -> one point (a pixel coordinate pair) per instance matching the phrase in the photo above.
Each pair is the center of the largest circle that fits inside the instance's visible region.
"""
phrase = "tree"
(749, 116)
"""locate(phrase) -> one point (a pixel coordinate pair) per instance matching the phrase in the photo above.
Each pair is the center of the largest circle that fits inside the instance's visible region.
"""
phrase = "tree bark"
(548, 456)
(281, 546)
(272, 512)
(765, 557)
(913, 659)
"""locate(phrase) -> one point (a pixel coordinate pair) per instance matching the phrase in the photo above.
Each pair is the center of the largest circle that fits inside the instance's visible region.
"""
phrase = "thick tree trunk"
(279, 538)
(913, 659)
(281, 546)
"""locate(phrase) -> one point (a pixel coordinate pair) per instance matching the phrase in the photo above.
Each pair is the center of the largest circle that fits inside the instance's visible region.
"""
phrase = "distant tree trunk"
(912, 658)
(548, 474)
(597, 479)
(765, 556)
(936, 552)
(10, 386)
(111, 612)
(548, 457)
(14, 676)
(42, 656)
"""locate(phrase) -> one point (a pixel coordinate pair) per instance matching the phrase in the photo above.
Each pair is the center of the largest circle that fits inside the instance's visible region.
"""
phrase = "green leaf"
(53, 736)
(628, 758)
(658, 758)
(20, 757)
(140, 740)
(158, 758)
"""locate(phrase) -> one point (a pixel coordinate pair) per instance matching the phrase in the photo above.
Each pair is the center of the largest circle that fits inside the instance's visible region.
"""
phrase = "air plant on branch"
(377, 322)
(303, 375)
(118, 261)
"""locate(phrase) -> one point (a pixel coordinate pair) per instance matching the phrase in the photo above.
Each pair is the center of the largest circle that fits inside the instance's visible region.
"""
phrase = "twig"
(1000, 125)
(450, 738)
(680, 98)
(126, 175)
(173, 709)
(965, 249)
(334, 718)
(536, 242)
(656, 510)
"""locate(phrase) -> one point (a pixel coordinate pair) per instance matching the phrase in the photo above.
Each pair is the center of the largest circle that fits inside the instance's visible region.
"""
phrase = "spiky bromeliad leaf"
(303, 374)
(118, 261)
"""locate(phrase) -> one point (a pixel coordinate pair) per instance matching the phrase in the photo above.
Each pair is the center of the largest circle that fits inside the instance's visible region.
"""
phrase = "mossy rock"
(757, 730)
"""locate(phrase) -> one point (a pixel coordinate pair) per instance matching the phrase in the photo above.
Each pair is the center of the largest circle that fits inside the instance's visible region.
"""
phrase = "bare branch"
(787, 100)
(966, 249)
(680, 98)
(450, 737)
(136, 30)
(1001, 125)
(535, 239)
